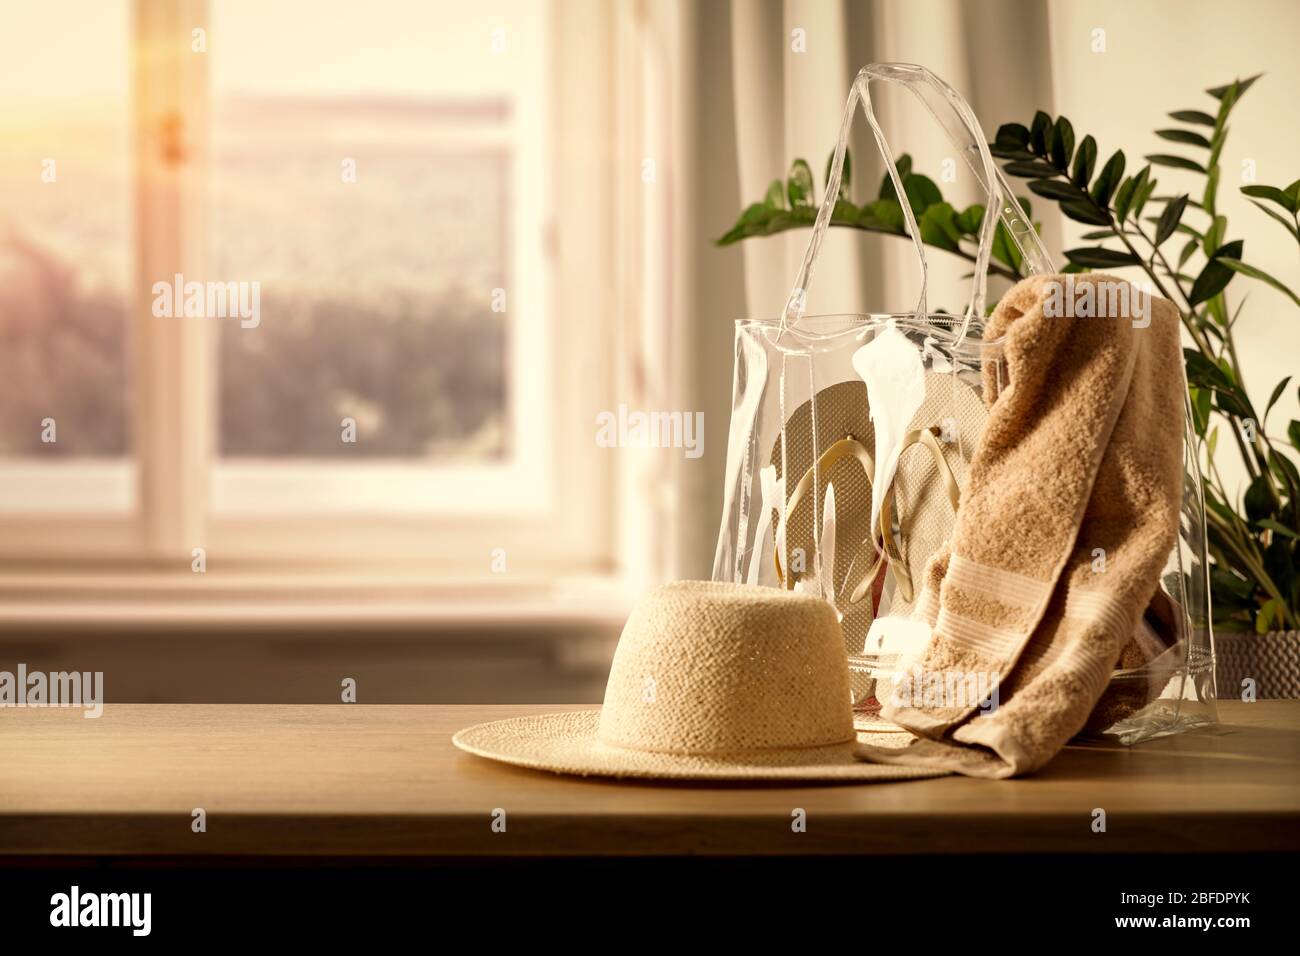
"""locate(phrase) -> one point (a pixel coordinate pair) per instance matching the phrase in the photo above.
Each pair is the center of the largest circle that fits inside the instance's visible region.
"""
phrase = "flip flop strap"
(841, 449)
(887, 547)
(902, 574)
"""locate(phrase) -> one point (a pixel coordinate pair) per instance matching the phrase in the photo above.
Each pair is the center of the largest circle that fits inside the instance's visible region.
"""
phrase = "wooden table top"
(355, 779)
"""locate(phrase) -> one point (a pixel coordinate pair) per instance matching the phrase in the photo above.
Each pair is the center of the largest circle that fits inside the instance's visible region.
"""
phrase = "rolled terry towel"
(1068, 517)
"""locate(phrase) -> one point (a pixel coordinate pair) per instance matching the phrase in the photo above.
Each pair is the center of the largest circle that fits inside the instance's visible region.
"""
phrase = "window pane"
(64, 229)
(368, 191)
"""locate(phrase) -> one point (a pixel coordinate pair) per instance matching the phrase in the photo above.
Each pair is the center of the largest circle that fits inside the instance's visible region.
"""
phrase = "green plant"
(1254, 540)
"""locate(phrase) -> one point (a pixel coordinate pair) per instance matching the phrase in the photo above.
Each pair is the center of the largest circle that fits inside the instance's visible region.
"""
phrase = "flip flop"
(917, 518)
(844, 436)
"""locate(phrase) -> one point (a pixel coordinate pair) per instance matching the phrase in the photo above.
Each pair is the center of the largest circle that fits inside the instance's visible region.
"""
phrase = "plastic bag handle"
(963, 129)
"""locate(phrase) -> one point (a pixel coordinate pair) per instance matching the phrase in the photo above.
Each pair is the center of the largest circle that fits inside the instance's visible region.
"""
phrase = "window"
(396, 177)
(337, 297)
(65, 259)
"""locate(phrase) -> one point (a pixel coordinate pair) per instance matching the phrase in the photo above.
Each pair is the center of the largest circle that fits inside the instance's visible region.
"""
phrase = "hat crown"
(717, 668)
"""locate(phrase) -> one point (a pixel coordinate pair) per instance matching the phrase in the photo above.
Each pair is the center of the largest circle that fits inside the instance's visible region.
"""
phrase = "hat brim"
(566, 743)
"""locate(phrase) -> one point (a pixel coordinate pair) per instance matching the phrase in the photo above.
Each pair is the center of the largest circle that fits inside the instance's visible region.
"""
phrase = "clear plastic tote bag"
(851, 437)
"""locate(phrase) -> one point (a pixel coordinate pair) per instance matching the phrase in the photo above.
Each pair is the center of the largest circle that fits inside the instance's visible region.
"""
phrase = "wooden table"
(380, 781)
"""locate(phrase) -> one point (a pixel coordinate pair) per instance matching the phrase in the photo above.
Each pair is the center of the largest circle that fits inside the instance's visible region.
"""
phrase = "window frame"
(556, 517)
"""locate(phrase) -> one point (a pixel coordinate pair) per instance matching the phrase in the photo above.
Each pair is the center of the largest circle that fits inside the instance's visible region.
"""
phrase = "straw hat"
(711, 681)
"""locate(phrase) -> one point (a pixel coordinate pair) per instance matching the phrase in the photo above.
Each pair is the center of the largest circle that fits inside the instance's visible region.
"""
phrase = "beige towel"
(1069, 515)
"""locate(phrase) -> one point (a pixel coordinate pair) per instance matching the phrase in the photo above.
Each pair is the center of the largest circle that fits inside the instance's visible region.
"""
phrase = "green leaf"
(846, 173)
(1141, 196)
(1203, 373)
(1085, 160)
(922, 193)
(1232, 401)
(1177, 162)
(1258, 500)
(1184, 136)
(1217, 377)
(1012, 135)
(1132, 190)
(1241, 86)
(883, 214)
(1188, 251)
(1029, 170)
(1111, 175)
(752, 222)
(1011, 152)
(1236, 265)
(1201, 402)
(1170, 218)
(1231, 583)
(1124, 197)
(1099, 258)
(1058, 190)
(1193, 116)
(1282, 197)
(1287, 224)
(1282, 467)
(756, 214)
(1267, 612)
(1293, 433)
(939, 228)
(844, 213)
(1005, 249)
(799, 184)
(887, 190)
(1211, 443)
(775, 194)
(970, 219)
(1085, 212)
(1061, 144)
(1277, 393)
(1278, 528)
(780, 222)
(1038, 133)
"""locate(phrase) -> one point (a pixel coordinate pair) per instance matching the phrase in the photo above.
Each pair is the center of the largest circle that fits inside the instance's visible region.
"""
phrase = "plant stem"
(1156, 252)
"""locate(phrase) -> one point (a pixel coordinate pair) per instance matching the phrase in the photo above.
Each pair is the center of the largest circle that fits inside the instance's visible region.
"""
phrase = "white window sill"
(150, 601)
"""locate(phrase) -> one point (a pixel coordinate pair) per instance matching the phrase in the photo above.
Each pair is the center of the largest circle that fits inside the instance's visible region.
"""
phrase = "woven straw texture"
(710, 681)
(1271, 660)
